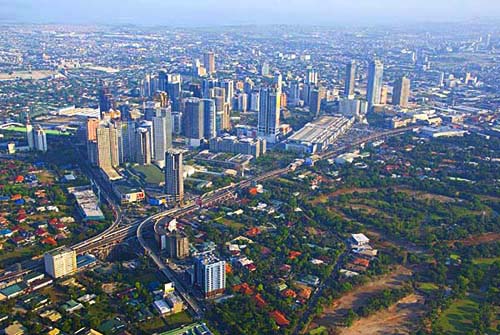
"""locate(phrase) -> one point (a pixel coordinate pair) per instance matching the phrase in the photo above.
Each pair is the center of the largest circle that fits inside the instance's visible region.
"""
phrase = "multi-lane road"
(118, 232)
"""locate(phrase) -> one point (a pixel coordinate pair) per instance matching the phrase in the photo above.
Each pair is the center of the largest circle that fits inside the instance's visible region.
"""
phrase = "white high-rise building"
(162, 136)
(210, 275)
(39, 139)
(60, 262)
(29, 135)
(374, 88)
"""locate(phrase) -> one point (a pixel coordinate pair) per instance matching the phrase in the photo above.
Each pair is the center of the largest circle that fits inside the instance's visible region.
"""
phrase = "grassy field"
(486, 261)
(458, 318)
(47, 131)
(150, 173)
(428, 287)
(179, 319)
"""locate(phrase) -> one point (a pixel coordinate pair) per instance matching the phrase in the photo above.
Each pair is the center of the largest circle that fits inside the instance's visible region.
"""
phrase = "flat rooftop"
(319, 130)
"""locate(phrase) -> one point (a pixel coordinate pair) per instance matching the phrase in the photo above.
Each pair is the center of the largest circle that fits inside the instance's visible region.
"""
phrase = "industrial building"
(88, 204)
(318, 135)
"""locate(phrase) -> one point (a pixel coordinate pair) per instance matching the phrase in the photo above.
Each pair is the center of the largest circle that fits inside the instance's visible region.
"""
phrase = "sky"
(235, 12)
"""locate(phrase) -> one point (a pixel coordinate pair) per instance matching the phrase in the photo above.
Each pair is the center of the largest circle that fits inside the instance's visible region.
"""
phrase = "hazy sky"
(224, 12)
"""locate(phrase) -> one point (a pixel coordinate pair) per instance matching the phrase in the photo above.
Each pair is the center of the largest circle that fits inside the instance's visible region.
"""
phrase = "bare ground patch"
(333, 315)
(400, 319)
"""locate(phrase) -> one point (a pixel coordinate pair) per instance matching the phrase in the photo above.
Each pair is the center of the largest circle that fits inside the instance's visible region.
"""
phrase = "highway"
(117, 232)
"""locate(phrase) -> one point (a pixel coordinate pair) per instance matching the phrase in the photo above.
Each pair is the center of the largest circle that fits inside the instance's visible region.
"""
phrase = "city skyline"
(210, 12)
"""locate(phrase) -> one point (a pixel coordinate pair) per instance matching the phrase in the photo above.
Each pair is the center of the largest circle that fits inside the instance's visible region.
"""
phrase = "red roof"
(285, 268)
(259, 300)
(19, 179)
(294, 254)
(253, 232)
(362, 262)
(49, 240)
(40, 232)
(288, 293)
(279, 318)
(243, 289)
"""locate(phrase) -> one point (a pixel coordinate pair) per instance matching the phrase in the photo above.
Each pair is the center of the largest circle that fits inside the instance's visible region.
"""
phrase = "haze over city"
(257, 167)
(228, 12)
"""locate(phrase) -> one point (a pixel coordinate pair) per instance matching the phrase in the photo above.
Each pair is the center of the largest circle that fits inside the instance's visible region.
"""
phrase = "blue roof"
(19, 202)
(5, 232)
(85, 260)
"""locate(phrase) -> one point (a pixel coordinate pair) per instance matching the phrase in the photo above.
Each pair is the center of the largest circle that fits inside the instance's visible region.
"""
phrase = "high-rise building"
(92, 125)
(209, 118)
(384, 94)
(255, 101)
(29, 134)
(374, 88)
(401, 92)
(162, 132)
(269, 114)
(177, 245)
(174, 176)
(317, 95)
(193, 119)
(228, 86)
(143, 146)
(162, 80)
(294, 93)
(40, 139)
(242, 102)
(264, 69)
(107, 147)
(174, 90)
(350, 79)
(210, 275)
(105, 100)
(60, 262)
(312, 76)
(209, 62)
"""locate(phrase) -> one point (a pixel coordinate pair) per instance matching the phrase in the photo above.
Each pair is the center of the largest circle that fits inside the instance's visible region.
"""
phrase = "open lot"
(333, 315)
(400, 319)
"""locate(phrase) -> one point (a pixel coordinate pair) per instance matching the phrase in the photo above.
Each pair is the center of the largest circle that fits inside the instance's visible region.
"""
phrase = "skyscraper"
(209, 118)
(317, 95)
(210, 275)
(209, 62)
(29, 134)
(92, 125)
(193, 119)
(40, 139)
(401, 92)
(350, 79)
(105, 99)
(107, 147)
(374, 88)
(228, 86)
(311, 76)
(269, 114)
(143, 146)
(174, 90)
(162, 80)
(162, 132)
(294, 93)
(174, 176)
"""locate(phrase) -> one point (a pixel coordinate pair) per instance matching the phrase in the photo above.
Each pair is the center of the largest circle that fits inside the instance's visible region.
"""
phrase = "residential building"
(60, 262)
(401, 92)
(210, 275)
(350, 79)
(374, 88)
